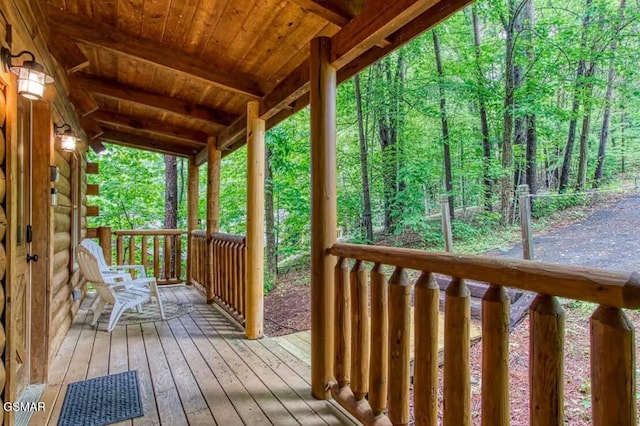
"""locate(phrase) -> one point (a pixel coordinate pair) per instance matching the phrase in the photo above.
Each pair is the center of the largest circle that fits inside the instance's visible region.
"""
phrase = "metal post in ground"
(446, 224)
(525, 222)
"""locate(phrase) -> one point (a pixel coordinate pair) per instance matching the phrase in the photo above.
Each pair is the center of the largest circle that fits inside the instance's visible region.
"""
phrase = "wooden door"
(21, 288)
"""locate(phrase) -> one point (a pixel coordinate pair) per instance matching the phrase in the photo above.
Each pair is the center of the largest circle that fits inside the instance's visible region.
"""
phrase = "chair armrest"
(139, 268)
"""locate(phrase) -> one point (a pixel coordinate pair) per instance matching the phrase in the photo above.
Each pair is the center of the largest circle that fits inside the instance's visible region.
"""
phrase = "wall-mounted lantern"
(68, 138)
(31, 75)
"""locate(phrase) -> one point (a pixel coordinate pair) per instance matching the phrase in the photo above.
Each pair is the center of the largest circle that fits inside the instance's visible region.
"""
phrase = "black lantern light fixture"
(68, 138)
(31, 75)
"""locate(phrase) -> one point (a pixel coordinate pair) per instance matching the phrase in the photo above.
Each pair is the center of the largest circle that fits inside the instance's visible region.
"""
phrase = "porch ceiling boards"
(165, 75)
(195, 369)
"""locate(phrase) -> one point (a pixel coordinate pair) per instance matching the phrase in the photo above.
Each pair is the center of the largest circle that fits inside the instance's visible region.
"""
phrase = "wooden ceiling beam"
(117, 90)
(338, 12)
(378, 20)
(67, 53)
(275, 107)
(148, 144)
(149, 125)
(114, 39)
(91, 128)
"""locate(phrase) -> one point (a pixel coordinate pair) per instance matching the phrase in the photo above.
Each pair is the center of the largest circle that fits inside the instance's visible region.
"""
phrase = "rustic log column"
(104, 239)
(192, 215)
(213, 209)
(255, 222)
(323, 212)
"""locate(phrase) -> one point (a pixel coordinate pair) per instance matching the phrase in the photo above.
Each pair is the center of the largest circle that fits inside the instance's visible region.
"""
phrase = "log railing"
(372, 337)
(159, 251)
(223, 278)
(199, 260)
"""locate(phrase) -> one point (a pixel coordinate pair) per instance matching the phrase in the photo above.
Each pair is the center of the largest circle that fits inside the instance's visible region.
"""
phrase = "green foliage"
(544, 206)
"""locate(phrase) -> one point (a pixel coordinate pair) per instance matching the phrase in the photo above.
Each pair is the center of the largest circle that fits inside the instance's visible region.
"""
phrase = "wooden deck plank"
(193, 403)
(269, 381)
(221, 407)
(196, 369)
(138, 361)
(57, 371)
(240, 397)
(164, 389)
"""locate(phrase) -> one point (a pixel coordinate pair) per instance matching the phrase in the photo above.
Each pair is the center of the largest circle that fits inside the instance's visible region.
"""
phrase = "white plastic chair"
(116, 270)
(122, 295)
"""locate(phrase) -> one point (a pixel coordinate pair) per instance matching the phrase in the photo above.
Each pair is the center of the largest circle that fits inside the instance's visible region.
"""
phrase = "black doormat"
(102, 401)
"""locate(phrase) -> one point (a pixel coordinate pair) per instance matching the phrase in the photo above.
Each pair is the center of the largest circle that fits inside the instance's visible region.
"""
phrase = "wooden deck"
(195, 369)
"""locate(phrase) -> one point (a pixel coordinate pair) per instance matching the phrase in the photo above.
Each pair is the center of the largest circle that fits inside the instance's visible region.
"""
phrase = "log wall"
(71, 186)
(3, 227)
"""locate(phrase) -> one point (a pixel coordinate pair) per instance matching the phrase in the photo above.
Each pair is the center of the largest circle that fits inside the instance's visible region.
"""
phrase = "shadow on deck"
(195, 369)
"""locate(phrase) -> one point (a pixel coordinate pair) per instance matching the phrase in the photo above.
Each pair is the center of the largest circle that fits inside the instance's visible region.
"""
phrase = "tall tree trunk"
(568, 150)
(269, 218)
(364, 170)
(622, 118)
(520, 125)
(171, 200)
(506, 159)
(586, 127)
(388, 125)
(484, 126)
(170, 192)
(448, 180)
(530, 117)
(606, 116)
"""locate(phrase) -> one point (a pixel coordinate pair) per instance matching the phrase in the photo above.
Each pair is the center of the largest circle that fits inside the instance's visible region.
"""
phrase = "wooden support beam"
(323, 213)
(93, 189)
(116, 90)
(116, 40)
(92, 169)
(93, 211)
(237, 130)
(97, 146)
(83, 102)
(91, 128)
(67, 53)
(202, 156)
(192, 214)
(213, 210)
(172, 147)
(149, 125)
(291, 95)
(255, 223)
(327, 10)
(378, 20)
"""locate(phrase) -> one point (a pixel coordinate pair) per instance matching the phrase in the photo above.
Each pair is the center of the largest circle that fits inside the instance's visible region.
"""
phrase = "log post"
(360, 344)
(613, 368)
(104, 239)
(399, 346)
(343, 324)
(457, 391)
(213, 209)
(495, 357)
(425, 378)
(255, 222)
(379, 371)
(546, 354)
(323, 212)
(192, 216)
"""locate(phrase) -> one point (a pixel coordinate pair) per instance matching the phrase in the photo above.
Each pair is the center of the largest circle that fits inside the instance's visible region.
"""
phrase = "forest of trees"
(506, 92)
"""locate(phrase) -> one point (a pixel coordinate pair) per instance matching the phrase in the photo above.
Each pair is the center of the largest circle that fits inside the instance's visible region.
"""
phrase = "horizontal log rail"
(373, 332)
(220, 269)
(159, 251)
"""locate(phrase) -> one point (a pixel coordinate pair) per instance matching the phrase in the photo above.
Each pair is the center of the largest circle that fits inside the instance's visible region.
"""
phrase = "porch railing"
(228, 270)
(372, 339)
(160, 251)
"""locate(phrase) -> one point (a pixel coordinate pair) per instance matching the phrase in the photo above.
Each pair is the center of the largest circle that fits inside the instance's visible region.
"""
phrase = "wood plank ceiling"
(164, 75)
